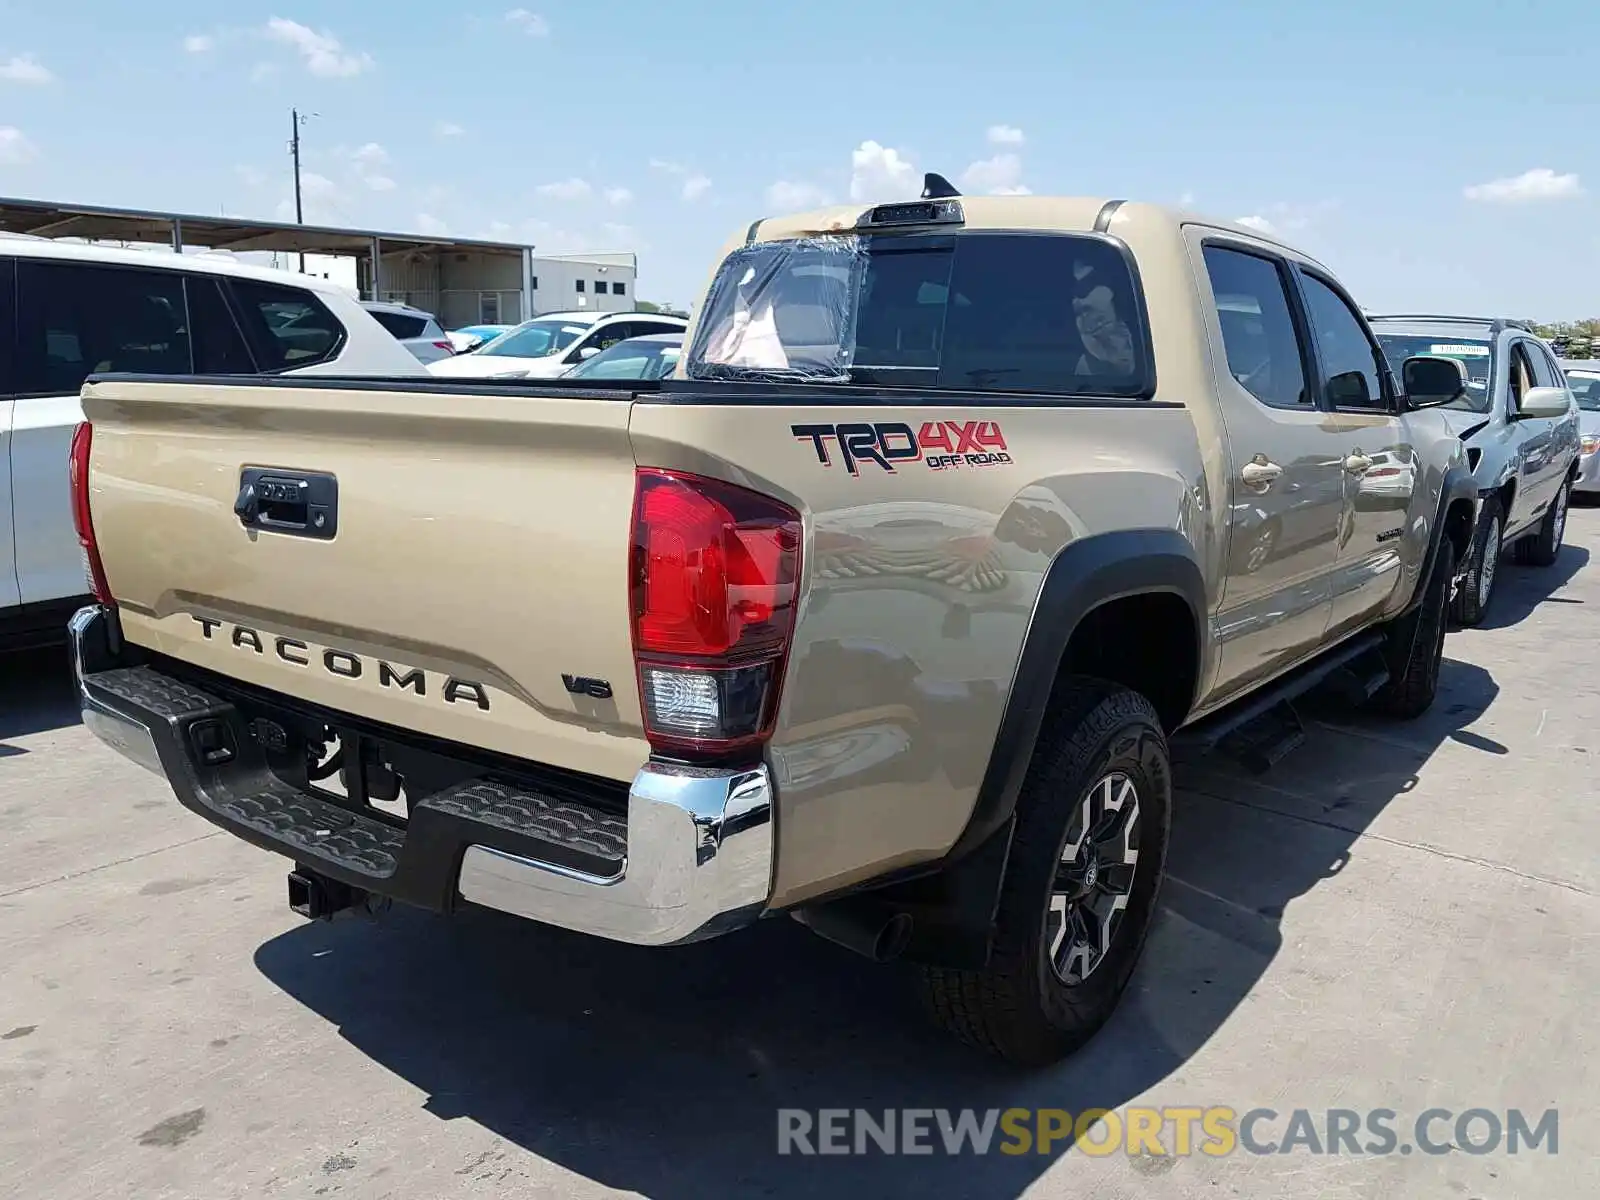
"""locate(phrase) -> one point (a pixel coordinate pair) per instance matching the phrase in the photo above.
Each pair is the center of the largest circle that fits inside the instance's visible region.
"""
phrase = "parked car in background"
(416, 330)
(1583, 377)
(68, 311)
(649, 357)
(1520, 427)
(469, 337)
(545, 347)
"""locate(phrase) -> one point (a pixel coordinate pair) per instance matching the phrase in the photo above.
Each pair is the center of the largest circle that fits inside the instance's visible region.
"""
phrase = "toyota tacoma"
(881, 613)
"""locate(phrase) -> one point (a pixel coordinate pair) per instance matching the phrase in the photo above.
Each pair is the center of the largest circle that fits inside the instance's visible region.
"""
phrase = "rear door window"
(1057, 314)
(401, 325)
(1265, 355)
(219, 346)
(288, 327)
(79, 319)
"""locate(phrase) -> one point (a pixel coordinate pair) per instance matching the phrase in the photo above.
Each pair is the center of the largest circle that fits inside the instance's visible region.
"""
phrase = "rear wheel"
(1415, 645)
(1541, 549)
(1079, 894)
(1471, 604)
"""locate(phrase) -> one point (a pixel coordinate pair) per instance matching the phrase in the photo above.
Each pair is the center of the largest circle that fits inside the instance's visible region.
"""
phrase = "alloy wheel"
(1489, 563)
(1094, 879)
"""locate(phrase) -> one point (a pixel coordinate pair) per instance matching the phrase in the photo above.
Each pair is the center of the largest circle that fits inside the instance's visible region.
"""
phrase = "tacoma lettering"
(344, 665)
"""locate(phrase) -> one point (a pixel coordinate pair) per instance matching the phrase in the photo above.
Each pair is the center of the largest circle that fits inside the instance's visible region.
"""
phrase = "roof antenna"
(937, 187)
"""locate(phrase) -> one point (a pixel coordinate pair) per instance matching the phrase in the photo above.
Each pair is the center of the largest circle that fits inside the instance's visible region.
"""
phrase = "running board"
(1357, 681)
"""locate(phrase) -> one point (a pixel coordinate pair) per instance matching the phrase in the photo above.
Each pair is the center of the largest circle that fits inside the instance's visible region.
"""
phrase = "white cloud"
(448, 129)
(252, 177)
(997, 176)
(324, 201)
(530, 23)
(1541, 183)
(565, 189)
(263, 71)
(1259, 223)
(324, 55)
(670, 167)
(368, 162)
(695, 187)
(618, 196)
(432, 226)
(1004, 135)
(15, 147)
(25, 68)
(881, 173)
(788, 196)
(199, 43)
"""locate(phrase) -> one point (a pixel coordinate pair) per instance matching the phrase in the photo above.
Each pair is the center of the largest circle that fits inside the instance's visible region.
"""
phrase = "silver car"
(1516, 418)
(1583, 377)
(417, 330)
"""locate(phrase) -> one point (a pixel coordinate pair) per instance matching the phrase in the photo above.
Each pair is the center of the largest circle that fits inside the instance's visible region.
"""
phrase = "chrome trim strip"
(700, 849)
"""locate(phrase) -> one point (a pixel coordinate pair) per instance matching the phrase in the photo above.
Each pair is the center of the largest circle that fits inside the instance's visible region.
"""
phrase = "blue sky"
(1434, 155)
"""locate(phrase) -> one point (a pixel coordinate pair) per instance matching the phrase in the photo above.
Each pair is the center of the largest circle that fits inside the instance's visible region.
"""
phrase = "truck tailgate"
(480, 554)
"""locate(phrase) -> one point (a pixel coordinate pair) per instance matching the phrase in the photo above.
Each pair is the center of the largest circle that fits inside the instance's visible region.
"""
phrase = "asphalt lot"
(1398, 917)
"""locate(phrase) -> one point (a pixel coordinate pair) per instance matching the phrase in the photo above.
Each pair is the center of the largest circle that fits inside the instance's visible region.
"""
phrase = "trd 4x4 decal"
(943, 445)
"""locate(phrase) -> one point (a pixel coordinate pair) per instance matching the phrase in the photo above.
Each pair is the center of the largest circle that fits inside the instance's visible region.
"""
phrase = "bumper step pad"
(418, 864)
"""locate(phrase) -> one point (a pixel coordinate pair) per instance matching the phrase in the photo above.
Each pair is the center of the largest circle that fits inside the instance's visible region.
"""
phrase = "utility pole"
(294, 151)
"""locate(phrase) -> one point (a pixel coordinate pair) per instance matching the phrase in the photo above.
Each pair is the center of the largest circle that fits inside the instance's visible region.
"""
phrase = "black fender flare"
(1085, 574)
(1459, 485)
(953, 901)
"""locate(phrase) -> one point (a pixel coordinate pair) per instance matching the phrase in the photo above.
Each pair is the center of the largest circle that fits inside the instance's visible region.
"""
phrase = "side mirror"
(1430, 382)
(588, 352)
(1348, 389)
(1545, 402)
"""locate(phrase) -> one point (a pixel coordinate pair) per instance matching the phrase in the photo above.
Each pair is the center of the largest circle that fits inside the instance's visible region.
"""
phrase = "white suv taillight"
(714, 578)
(78, 472)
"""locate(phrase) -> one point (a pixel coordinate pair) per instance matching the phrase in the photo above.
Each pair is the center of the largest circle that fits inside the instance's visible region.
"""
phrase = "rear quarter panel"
(919, 589)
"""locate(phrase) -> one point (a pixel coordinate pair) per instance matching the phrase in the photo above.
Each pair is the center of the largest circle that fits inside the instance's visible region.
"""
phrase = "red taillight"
(445, 346)
(78, 472)
(714, 579)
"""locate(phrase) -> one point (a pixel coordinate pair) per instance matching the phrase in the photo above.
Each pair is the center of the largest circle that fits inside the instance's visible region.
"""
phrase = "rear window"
(288, 327)
(399, 324)
(974, 311)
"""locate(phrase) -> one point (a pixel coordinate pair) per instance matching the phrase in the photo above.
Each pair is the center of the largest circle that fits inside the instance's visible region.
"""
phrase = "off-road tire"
(1415, 645)
(1471, 604)
(1017, 1007)
(1543, 547)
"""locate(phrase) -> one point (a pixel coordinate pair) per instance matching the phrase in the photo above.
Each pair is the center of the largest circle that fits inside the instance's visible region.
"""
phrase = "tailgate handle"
(297, 503)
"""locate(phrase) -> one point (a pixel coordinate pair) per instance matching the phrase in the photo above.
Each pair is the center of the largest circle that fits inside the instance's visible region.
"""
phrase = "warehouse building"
(464, 281)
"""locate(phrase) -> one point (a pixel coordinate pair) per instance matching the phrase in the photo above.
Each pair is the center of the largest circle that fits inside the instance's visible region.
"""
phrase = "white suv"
(549, 345)
(418, 331)
(73, 310)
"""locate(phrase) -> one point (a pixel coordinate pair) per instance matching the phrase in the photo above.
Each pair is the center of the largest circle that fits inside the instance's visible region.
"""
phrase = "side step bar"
(1264, 727)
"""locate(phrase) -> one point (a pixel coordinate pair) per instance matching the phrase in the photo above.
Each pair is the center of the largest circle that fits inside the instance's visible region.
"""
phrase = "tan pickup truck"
(880, 614)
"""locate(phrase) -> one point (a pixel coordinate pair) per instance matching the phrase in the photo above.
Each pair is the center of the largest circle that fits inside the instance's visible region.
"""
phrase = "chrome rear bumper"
(692, 858)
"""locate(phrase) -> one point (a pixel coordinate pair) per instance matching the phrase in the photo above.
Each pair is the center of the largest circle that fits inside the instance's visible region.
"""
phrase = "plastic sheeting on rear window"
(782, 310)
(974, 311)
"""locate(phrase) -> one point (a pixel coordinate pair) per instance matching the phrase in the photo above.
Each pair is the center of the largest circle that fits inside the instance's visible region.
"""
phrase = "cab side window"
(1521, 375)
(1258, 330)
(1545, 373)
(1353, 368)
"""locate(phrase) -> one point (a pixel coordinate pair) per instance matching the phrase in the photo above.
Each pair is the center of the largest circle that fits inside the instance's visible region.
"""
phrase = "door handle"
(1357, 463)
(1259, 473)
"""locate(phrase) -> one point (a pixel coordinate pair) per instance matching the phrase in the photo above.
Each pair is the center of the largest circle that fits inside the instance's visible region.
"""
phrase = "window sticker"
(1460, 351)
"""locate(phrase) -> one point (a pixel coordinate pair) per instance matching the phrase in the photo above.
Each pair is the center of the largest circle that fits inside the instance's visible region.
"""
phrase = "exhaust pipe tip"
(868, 927)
